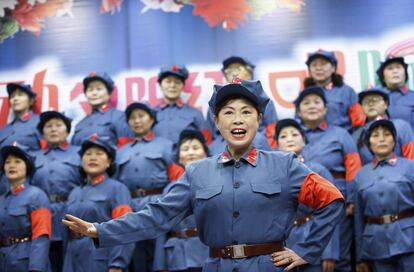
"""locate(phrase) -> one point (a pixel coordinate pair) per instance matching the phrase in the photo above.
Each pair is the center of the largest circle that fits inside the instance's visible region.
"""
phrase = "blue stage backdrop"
(53, 44)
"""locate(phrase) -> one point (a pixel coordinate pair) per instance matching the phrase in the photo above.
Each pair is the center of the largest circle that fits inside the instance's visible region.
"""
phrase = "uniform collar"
(103, 108)
(392, 160)
(147, 138)
(96, 180)
(18, 189)
(322, 126)
(25, 117)
(179, 103)
(45, 147)
(250, 157)
(300, 158)
(329, 86)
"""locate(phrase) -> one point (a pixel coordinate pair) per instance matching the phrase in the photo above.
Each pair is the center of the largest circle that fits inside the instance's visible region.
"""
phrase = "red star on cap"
(14, 143)
(94, 137)
(174, 68)
(370, 86)
(236, 80)
(91, 74)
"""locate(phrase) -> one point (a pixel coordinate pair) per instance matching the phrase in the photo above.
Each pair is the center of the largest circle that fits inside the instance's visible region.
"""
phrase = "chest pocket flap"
(209, 192)
(17, 211)
(267, 188)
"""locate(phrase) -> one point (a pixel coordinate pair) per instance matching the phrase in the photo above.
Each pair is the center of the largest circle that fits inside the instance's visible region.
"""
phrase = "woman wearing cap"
(238, 67)
(243, 200)
(375, 102)
(342, 101)
(181, 249)
(25, 216)
(23, 127)
(57, 173)
(334, 148)
(145, 166)
(173, 115)
(99, 199)
(290, 137)
(105, 121)
(384, 205)
(393, 75)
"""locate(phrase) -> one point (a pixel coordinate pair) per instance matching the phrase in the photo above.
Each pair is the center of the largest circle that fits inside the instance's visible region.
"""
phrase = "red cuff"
(356, 115)
(270, 135)
(352, 163)
(41, 222)
(316, 192)
(120, 211)
(174, 171)
(407, 150)
(207, 135)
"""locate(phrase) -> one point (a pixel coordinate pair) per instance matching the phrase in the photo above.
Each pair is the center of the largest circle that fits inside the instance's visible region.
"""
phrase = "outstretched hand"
(287, 257)
(77, 225)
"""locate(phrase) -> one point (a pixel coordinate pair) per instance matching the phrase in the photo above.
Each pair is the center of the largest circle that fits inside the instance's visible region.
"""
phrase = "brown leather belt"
(244, 251)
(389, 218)
(146, 192)
(8, 241)
(338, 175)
(184, 233)
(302, 219)
(57, 198)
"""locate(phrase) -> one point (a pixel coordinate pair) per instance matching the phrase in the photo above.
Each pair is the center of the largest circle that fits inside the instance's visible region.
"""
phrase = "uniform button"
(236, 214)
(136, 169)
(381, 194)
(12, 133)
(235, 243)
(381, 177)
(237, 164)
(136, 154)
(90, 123)
(235, 270)
(236, 185)
(51, 171)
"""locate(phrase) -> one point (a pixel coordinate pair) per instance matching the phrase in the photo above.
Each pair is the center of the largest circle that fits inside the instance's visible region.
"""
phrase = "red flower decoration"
(31, 18)
(230, 13)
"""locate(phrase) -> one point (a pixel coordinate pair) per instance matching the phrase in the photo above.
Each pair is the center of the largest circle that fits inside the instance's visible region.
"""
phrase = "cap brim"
(234, 90)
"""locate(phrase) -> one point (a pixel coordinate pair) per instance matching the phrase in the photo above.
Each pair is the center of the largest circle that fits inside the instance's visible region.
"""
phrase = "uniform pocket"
(18, 211)
(208, 192)
(267, 189)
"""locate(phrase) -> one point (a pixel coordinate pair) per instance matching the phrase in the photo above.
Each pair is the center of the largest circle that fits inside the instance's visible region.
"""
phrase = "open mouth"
(238, 132)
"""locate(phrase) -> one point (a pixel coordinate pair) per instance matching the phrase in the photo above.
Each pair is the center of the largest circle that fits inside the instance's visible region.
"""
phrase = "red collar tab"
(404, 89)
(179, 103)
(236, 80)
(96, 180)
(104, 108)
(149, 137)
(251, 156)
(329, 86)
(26, 116)
(323, 125)
(174, 67)
(17, 189)
(224, 157)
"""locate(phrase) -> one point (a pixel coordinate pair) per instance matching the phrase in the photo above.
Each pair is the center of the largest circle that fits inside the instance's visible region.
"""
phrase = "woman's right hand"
(362, 267)
(77, 225)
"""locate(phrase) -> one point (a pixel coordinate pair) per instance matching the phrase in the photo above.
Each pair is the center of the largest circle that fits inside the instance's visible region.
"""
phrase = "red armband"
(352, 163)
(356, 115)
(120, 211)
(207, 136)
(270, 135)
(41, 222)
(407, 150)
(174, 171)
(316, 192)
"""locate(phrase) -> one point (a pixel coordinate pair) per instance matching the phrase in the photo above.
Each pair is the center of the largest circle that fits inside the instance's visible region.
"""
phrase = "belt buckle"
(141, 192)
(387, 219)
(238, 251)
